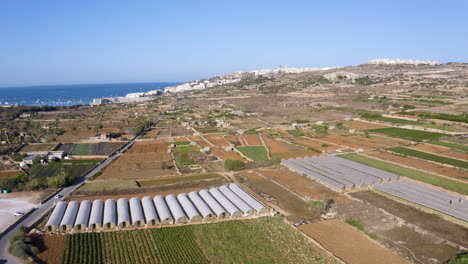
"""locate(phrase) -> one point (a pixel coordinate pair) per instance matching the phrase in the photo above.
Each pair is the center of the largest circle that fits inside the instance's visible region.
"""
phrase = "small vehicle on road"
(58, 196)
(18, 213)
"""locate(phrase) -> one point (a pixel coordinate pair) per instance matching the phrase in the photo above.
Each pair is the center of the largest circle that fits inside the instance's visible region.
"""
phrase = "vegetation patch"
(377, 117)
(232, 165)
(257, 153)
(415, 135)
(410, 173)
(108, 185)
(429, 156)
(449, 145)
(174, 180)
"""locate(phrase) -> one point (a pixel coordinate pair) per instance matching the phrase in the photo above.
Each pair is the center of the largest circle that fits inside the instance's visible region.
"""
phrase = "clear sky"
(109, 41)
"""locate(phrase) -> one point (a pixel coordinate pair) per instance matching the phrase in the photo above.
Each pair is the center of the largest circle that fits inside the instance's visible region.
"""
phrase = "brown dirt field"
(4, 174)
(434, 223)
(234, 140)
(199, 141)
(253, 140)
(175, 139)
(138, 166)
(148, 146)
(51, 247)
(152, 133)
(38, 147)
(278, 147)
(317, 144)
(349, 244)
(217, 140)
(296, 154)
(387, 141)
(76, 135)
(343, 141)
(442, 151)
(225, 155)
(362, 125)
(420, 164)
(296, 209)
(282, 132)
(302, 186)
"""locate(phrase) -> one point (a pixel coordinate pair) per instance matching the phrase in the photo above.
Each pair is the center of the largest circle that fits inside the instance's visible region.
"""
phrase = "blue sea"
(65, 95)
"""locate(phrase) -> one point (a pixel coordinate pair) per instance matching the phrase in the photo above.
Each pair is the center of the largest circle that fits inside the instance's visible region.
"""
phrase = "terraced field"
(415, 135)
(430, 157)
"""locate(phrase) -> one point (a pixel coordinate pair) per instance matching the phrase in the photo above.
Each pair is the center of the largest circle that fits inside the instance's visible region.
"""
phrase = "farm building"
(69, 217)
(82, 217)
(202, 207)
(260, 208)
(95, 218)
(123, 213)
(163, 210)
(110, 214)
(247, 209)
(226, 203)
(149, 211)
(223, 202)
(56, 217)
(136, 212)
(176, 210)
(189, 208)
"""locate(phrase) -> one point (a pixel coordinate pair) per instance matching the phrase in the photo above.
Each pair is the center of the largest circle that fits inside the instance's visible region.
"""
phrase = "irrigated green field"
(415, 135)
(257, 153)
(450, 145)
(429, 156)
(261, 240)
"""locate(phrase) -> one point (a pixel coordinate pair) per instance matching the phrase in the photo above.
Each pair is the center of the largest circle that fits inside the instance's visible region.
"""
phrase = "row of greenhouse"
(206, 205)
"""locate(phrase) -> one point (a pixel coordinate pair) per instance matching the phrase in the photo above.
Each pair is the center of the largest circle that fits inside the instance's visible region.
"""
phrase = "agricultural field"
(175, 180)
(349, 244)
(447, 184)
(256, 153)
(440, 150)
(37, 147)
(225, 155)
(429, 156)
(253, 140)
(261, 240)
(362, 125)
(217, 140)
(55, 168)
(10, 173)
(148, 146)
(450, 145)
(414, 135)
(95, 149)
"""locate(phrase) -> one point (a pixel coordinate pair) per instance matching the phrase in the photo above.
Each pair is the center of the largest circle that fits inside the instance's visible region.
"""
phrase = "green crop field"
(257, 153)
(450, 145)
(82, 149)
(261, 240)
(445, 183)
(415, 135)
(390, 120)
(174, 180)
(429, 156)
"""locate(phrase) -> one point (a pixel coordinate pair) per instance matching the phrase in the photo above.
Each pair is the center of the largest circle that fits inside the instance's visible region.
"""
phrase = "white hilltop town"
(399, 61)
(128, 98)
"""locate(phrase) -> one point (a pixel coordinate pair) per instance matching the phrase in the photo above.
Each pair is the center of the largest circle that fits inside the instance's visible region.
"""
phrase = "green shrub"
(231, 165)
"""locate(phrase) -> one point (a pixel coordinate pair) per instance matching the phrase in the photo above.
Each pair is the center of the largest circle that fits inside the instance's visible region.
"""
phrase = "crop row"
(429, 156)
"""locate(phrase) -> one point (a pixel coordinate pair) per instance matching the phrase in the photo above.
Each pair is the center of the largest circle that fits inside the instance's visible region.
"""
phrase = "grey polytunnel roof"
(149, 209)
(70, 215)
(225, 202)
(136, 211)
(110, 213)
(176, 209)
(201, 205)
(260, 208)
(57, 215)
(189, 208)
(82, 217)
(97, 211)
(163, 210)
(123, 213)
(243, 206)
(217, 208)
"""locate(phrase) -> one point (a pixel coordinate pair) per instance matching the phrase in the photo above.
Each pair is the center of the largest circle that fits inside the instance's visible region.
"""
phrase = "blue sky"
(68, 42)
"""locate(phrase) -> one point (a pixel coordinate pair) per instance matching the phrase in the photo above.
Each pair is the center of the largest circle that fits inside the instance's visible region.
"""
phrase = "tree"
(20, 245)
(231, 165)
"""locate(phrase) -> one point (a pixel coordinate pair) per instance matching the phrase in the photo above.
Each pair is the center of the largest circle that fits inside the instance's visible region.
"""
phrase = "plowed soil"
(317, 144)
(148, 147)
(4, 174)
(420, 164)
(217, 140)
(199, 141)
(362, 125)
(349, 143)
(442, 151)
(51, 247)
(348, 244)
(253, 140)
(278, 147)
(225, 155)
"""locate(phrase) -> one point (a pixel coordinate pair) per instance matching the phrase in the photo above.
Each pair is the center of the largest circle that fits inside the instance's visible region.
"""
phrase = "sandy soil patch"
(348, 244)
(16, 202)
(421, 164)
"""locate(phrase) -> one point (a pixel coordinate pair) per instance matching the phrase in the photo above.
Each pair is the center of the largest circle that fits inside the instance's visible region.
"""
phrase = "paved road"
(5, 257)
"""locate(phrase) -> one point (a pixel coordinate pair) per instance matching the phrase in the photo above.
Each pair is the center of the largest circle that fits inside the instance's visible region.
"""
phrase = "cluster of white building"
(399, 61)
(128, 98)
(200, 84)
(203, 206)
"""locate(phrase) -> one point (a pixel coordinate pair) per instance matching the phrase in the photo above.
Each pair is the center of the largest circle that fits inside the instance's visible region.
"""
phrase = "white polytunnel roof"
(243, 206)
(82, 217)
(70, 214)
(217, 208)
(149, 209)
(96, 213)
(110, 212)
(57, 215)
(248, 198)
(175, 207)
(201, 205)
(123, 213)
(136, 211)
(189, 208)
(162, 208)
(228, 205)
